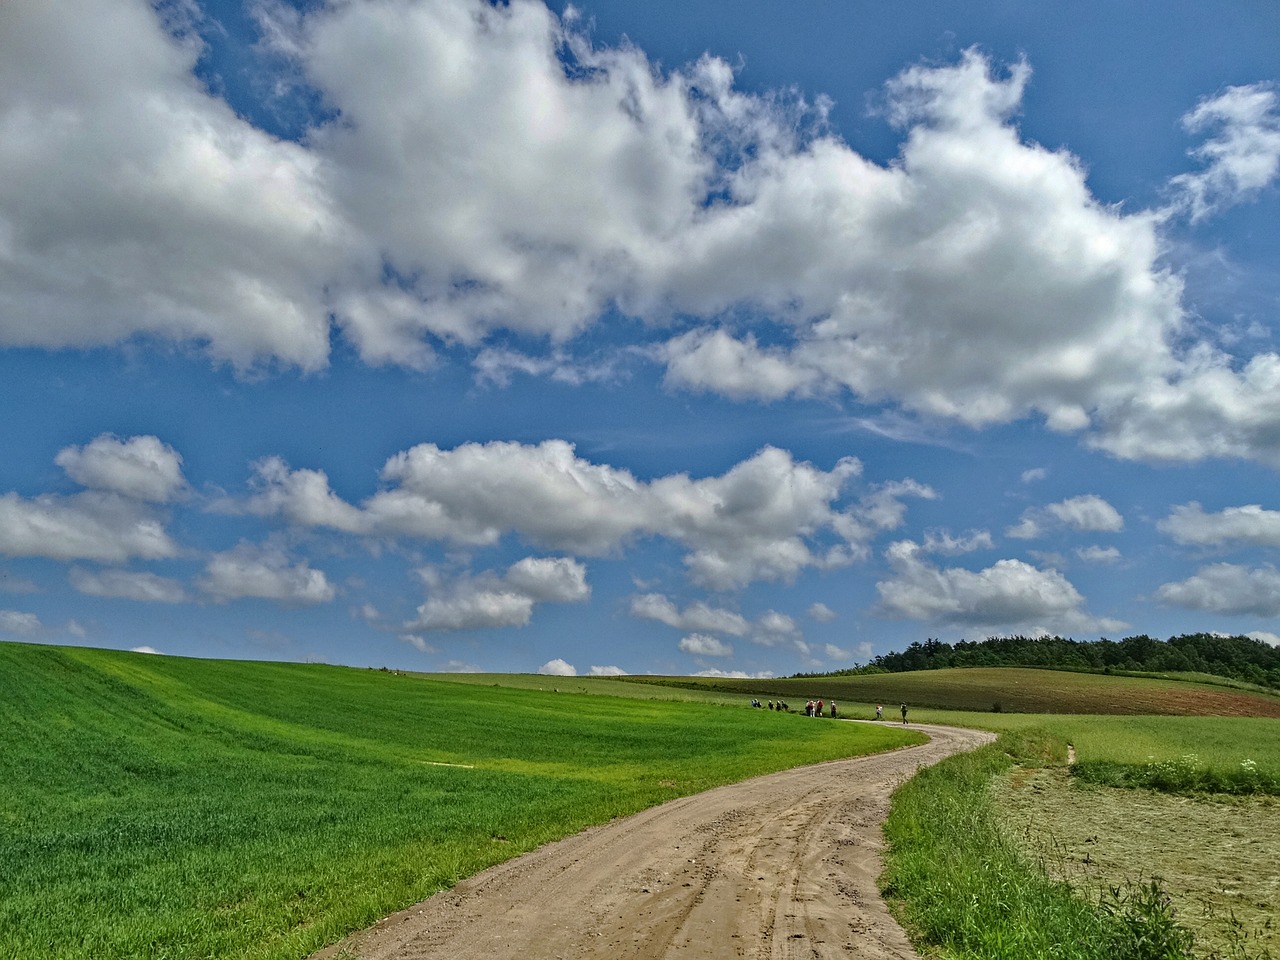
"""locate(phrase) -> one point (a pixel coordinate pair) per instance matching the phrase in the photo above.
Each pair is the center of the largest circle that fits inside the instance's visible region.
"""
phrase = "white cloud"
(1249, 525)
(1097, 554)
(137, 203)
(145, 649)
(773, 627)
(975, 278)
(695, 617)
(550, 579)
(1010, 595)
(128, 585)
(1270, 639)
(10, 584)
(607, 672)
(87, 526)
(142, 468)
(488, 601)
(496, 366)
(699, 644)
(418, 642)
(1034, 475)
(1087, 513)
(19, 622)
(734, 674)
(263, 572)
(1228, 589)
(838, 654)
(558, 668)
(942, 542)
(766, 518)
(821, 613)
(1243, 157)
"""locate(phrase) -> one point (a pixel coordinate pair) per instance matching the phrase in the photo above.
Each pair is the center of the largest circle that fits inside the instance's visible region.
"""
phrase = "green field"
(167, 808)
(160, 807)
(999, 690)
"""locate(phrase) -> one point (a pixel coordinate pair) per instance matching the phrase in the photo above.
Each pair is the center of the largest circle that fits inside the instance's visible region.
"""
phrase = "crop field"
(162, 808)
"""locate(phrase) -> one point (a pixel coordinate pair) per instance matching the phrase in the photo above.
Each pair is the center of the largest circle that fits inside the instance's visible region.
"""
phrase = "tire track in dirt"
(780, 867)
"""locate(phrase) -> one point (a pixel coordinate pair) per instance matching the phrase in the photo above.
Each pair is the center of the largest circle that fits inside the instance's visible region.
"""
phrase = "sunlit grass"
(163, 808)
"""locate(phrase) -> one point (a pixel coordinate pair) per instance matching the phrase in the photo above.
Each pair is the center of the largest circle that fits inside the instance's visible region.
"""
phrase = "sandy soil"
(781, 866)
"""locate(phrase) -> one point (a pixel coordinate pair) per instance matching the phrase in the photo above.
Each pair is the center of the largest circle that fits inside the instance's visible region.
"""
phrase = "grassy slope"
(159, 807)
(1003, 689)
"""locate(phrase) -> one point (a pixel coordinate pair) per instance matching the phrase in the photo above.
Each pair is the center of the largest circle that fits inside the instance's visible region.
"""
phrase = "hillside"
(1002, 689)
(161, 807)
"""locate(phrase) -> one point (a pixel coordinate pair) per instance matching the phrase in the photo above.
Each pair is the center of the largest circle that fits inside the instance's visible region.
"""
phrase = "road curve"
(781, 866)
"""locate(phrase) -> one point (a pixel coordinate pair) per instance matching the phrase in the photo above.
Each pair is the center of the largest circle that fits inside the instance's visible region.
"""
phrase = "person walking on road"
(904, 713)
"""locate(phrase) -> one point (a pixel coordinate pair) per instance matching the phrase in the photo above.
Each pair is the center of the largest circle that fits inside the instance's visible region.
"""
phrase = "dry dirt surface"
(780, 866)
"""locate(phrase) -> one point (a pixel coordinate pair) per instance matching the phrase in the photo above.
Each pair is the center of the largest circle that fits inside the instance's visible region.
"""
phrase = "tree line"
(1236, 658)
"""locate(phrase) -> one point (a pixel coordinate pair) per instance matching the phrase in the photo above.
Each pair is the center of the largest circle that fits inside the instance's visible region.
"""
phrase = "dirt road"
(782, 866)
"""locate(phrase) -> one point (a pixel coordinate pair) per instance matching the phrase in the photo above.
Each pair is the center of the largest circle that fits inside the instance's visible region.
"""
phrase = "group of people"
(880, 712)
(772, 706)
(814, 708)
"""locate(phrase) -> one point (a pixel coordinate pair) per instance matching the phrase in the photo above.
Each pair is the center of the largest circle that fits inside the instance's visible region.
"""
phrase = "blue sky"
(626, 338)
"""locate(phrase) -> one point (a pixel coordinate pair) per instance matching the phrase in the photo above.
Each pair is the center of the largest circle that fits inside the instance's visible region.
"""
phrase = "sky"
(617, 338)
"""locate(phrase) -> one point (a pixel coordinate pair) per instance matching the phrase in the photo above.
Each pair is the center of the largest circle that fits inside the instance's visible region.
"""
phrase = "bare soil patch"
(781, 866)
(1217, 856)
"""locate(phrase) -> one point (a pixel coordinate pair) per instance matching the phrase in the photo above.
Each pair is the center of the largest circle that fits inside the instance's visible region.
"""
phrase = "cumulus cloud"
(1270, 639)
(1227, 588)
(486, 601)
(609, 671)
(418, 642)
(1088, 513)
(767, 518)
(1249, 525)
(137, 203)
(773, 628)
(942, 542)
(263, 572)
(696, 616)
(142, 468)
(110, 523)
(1097, 554)
(128, 585)
(1241, 158)
(1010, 595)
(702, 645)
(734, 674)
(88, 526)
(537, 183)
(19, 622)
(557, 668)
(821, 613)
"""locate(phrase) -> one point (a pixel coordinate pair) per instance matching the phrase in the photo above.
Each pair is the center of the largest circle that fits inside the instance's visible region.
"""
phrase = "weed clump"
(1182, 775)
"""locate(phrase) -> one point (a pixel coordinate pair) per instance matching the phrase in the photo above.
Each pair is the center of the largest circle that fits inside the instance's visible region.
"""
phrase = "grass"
(1215, 856)
(967, 889)
(1001, 854)
(999, 690)
(162, 808)
(963, 889)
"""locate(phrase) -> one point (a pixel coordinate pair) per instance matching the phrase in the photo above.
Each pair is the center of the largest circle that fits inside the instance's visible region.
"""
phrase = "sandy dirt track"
(780, 866)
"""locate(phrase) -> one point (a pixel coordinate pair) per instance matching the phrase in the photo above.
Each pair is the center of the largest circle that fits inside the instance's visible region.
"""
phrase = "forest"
(1236, 658)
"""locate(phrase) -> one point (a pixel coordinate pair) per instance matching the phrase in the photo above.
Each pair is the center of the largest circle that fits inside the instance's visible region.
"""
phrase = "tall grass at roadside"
(964, 889)
(167, 808)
